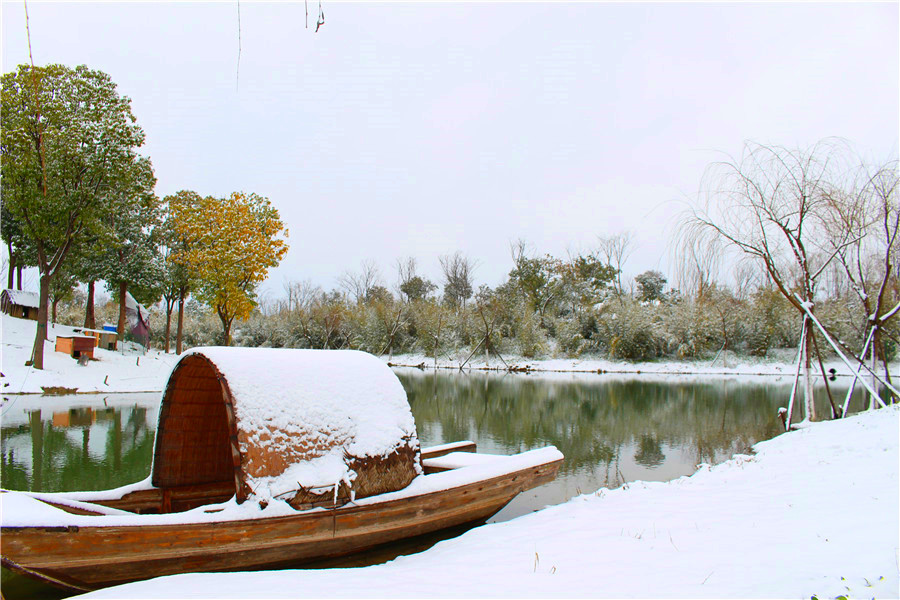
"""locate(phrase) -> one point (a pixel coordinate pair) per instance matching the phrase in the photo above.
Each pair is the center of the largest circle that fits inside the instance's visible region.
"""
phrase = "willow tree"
(67, 138)
(234, 242)
(772, 205)
(865, 210)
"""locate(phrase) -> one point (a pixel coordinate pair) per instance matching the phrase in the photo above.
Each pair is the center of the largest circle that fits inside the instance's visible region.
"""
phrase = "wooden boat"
(216, 498)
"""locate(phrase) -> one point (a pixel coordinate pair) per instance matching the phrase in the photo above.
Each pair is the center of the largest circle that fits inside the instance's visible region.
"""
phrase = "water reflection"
(76, 442)
(611, 431)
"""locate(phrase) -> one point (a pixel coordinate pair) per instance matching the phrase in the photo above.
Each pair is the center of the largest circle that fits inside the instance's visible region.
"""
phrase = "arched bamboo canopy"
(285, 423)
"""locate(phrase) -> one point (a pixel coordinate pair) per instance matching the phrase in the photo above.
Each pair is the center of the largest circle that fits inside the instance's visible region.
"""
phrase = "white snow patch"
(112, 371)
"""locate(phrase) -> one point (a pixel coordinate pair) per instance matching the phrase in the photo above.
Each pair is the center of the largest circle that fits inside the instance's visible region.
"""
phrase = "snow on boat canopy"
(304, 426)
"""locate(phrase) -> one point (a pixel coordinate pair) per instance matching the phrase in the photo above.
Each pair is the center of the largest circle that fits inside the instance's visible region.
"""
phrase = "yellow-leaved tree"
(234, 243)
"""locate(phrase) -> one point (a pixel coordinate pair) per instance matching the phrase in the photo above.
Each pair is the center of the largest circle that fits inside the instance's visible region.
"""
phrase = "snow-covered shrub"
(629, 331)
(429, 323)
(530, 337)
(576, 335)
(689, 329)
(771, 323)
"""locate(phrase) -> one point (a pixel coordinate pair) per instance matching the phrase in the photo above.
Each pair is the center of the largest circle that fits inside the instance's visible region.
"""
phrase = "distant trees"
(16, 246)
(615, 250)
(650, 285)
(234, 241)
(360, 284)
(78, 203)
(536, 278)
(69, 141)
(411, 285)
(458, 273)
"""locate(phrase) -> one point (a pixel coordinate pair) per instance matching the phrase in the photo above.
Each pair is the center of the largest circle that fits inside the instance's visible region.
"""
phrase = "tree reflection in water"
(56, 451)
(611, 431)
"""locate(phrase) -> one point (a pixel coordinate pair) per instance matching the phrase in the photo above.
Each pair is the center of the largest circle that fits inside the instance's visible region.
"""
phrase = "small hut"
(306, 426)
(17, 303)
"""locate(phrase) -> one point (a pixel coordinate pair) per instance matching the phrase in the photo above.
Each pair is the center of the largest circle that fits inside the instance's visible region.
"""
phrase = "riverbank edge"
(734, 365)
(532, 368)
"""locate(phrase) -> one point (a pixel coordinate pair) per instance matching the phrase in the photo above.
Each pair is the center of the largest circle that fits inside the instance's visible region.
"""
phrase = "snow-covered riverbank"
(129, 371)
(812, 513)
(140, 372)
(725, 364)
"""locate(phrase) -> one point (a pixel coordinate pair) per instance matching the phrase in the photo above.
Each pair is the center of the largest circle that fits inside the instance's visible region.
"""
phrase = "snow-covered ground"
(814, 513)
(128, 371)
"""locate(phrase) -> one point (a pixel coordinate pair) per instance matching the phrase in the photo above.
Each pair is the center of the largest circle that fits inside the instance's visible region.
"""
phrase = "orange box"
(75, 346)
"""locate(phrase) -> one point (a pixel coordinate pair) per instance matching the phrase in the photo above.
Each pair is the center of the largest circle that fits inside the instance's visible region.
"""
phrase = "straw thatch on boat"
(302, 425)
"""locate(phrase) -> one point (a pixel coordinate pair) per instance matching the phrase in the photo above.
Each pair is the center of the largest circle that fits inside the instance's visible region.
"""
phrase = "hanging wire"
(306, 7)
(237, 77)
(37, 102)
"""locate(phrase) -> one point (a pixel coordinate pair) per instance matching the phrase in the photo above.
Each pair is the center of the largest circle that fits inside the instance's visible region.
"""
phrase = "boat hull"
(85, 558)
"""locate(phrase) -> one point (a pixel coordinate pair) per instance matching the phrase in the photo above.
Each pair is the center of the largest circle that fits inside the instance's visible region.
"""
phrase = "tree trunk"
(41, 330)
(19, 277)
(12, 265)
(226, 330)
(37, 449)
(179, 335)
(168, 324)
(873, 358)
(120, 328)
(53, 310)
(808, 397)
(90, 321)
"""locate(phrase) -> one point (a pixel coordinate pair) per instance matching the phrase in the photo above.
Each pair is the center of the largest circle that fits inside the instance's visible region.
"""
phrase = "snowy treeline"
(555, 318)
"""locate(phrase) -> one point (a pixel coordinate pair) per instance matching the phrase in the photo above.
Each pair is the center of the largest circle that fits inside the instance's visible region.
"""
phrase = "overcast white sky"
(425, 128)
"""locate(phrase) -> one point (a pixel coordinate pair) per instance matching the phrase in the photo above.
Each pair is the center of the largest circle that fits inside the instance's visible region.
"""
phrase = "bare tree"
(359, 285)
(697, 260)
(770, 205)
(430, 318)
(300, 294)
(616, 249)
(458, 275)
(491, 309)
(865, 211)
(746, 280)
(406, 270)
